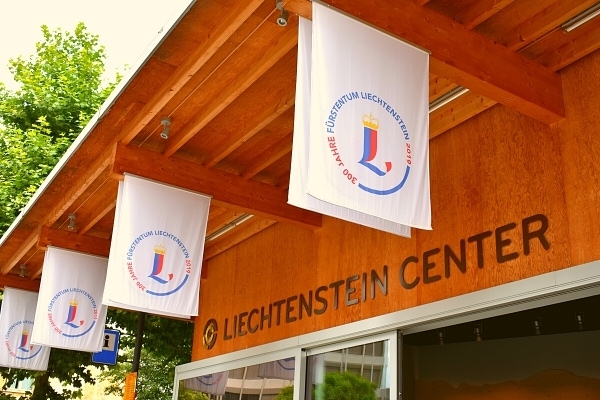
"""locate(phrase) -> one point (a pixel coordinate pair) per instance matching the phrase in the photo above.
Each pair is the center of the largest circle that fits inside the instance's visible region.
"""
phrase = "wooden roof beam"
(26, 245)
(538, 25)
(287, 41)
(274, 153)
(241, 11)
(73, 241)
(98, 166)
(17, 282)
(227, 190)
(259, 121)
(236, 236)
(479, 11)
(470, 59)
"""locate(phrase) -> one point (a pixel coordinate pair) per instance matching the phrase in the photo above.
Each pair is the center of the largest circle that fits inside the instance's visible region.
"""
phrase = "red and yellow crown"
(160, 249)
(370, 121)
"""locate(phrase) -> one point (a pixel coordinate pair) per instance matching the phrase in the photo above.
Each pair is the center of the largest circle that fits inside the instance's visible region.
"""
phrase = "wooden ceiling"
(225, 76)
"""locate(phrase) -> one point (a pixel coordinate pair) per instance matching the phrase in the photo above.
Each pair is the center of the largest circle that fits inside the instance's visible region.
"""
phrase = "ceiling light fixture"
(221, 231)
(447, 98)
(537, 325)
(165, 122)
(282, 20)
(71, 225)
(441, 337)
(22, 271)
(581, 18)
(478, 330)
(580, 318)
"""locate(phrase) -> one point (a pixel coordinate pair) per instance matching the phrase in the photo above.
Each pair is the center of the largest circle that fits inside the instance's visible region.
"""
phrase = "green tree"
(167, 343)
(345, 386)
(337, 386)
(60, 89)
(62, 83)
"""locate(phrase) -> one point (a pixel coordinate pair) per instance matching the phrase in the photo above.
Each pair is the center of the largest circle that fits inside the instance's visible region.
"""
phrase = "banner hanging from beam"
(70, 314)
(297, 193)
(16, 324)
(369, 122)
(156, 249)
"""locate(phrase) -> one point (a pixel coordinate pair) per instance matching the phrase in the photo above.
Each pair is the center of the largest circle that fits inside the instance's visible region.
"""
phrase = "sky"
(126, 28)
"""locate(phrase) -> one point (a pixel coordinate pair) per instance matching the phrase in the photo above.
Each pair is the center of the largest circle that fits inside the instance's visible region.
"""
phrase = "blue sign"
(110, 348)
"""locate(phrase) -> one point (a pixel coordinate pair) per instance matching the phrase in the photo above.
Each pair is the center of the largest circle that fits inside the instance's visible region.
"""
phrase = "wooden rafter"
(535, 26)
(232, 90)
(73, 241)
(270, 111)
(241, 11)
(253, 226)
(97, 206)
(19, 283)
(468, 58)
(480, 11)
(26, 245)
(226, 189)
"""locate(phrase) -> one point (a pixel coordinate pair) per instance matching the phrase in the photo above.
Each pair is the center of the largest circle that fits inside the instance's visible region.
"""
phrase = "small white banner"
(16, 324)
(297, 193)
(369, 130)
(209, 384)
(156, 249)
(70, 313)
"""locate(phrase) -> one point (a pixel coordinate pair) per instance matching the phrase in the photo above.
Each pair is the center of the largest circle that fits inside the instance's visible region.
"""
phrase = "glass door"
(361, 369)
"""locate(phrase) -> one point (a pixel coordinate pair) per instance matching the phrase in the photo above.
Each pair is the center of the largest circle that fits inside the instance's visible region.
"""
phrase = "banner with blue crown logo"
(70, 313)
(156, 249)
(17, 318)
(297, 193)
(369, 121)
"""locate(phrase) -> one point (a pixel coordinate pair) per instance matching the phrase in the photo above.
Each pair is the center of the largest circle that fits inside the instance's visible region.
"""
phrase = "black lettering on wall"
(502, 243)
(529, 234)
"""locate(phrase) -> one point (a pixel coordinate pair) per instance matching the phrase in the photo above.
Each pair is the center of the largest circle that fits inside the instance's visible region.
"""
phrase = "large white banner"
(211, 384)
(70, 313)
(16, 324)
(156, 249)
(369, 139)
(297, 193)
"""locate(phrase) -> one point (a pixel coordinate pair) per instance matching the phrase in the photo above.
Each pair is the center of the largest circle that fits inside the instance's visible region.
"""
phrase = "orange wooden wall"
(497, 168)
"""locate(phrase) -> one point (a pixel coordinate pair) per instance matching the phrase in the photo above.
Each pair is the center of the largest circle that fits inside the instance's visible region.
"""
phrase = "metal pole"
(138, 341)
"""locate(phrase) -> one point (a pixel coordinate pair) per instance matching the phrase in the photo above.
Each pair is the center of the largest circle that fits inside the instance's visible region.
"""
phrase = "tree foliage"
(60, 88)
(62, 83)
(345, 386)
(337, 386)
(167, 343)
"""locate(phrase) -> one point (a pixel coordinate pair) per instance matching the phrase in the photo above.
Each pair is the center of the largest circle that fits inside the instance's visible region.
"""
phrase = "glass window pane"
(267, 381)
(358, 372)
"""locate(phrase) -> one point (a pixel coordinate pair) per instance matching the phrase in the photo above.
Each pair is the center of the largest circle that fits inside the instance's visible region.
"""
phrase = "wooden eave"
(225, 76)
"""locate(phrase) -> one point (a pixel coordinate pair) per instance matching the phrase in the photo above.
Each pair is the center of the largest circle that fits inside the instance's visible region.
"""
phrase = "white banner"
(70, 314)
(280, 369)
(297, 193)
(156, 249)
(16, 324)
(369, 139)
(209, 384)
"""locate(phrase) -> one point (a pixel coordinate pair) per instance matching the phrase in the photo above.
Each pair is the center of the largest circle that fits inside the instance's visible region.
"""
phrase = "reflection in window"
(359, 372)
(257, 382)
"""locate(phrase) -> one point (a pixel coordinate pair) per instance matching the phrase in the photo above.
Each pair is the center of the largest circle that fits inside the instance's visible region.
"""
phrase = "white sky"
(126, 27)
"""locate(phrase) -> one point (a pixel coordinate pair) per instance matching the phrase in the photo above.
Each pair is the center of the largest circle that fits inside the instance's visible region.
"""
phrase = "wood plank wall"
(495, 170)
